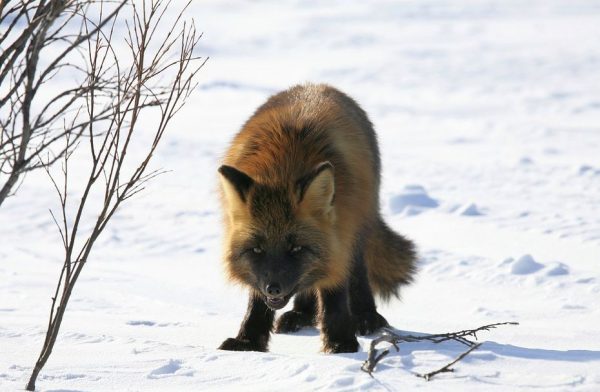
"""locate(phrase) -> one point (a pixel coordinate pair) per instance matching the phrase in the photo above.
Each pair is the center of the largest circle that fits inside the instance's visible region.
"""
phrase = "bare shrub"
(40, 40)
(153, 75)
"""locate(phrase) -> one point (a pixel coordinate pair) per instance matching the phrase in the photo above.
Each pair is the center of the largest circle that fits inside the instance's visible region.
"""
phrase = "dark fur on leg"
(302, 315)
(337, 325)
(362, 303)
(255, 331)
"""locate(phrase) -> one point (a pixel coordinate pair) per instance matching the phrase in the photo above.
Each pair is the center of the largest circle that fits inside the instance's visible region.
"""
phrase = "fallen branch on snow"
(391, 336)
(447, 368)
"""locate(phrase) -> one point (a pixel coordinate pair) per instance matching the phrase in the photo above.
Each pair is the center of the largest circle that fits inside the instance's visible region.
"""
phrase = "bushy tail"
(390, 260)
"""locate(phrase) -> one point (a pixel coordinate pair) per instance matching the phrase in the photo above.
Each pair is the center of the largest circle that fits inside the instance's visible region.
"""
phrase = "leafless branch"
(447, 368)
(118, 88)
(391, 336)
(40, 42)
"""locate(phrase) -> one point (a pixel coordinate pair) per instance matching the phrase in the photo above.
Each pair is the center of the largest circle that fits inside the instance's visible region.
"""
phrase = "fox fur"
(300, 193)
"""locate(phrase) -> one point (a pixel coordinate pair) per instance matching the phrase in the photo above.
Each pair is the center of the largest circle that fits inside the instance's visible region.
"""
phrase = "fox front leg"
(302, 315)
(256, 328)
(338, 329)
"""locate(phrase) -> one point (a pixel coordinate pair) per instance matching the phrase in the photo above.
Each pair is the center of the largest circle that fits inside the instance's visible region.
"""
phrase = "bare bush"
(40, 40)
(155, 74)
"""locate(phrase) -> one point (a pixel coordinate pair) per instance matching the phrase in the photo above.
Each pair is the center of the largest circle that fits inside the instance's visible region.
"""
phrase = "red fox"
(300, 193)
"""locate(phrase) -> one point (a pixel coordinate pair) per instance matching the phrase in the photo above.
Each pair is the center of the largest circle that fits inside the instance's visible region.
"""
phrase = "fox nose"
(273, 289)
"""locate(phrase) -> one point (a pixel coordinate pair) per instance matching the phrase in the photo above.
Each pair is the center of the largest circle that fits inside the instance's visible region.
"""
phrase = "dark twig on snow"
(447, 368)
(393, 337)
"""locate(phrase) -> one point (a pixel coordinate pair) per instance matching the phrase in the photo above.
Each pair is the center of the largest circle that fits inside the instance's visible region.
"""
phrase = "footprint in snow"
(148, 323)
(526, 161)
(525, 265)
(141, 322)
(64, 390)
(7, 377)
(342, 382)
(412, 200)
(573, 307)
(557, 269)
(588, 170)
(469, 209)
(171, 368)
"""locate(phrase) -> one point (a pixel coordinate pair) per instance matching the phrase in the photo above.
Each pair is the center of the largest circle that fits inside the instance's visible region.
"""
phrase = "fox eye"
(257, 250)
(296, 249)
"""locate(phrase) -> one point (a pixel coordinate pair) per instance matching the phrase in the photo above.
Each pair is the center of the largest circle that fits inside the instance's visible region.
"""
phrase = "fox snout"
(277, 276)
(273, 290)
(275, 295)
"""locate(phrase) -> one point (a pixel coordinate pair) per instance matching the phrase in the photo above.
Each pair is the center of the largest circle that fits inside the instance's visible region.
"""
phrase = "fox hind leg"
(362, 303)
(337, 325)
(302, 315)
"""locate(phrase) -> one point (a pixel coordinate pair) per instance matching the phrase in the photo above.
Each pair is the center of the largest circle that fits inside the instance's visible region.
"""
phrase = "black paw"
(367, 323)
(234, 344)
(293, 321)
(346, 346)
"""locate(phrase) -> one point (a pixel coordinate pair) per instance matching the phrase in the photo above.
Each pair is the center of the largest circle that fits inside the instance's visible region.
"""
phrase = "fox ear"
(316, 190)
(236, 185)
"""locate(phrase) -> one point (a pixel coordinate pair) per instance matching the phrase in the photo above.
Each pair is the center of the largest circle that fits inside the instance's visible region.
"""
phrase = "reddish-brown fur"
(286, 139)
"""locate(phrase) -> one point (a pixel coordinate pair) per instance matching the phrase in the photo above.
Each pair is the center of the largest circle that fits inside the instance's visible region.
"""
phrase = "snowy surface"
(488, 118)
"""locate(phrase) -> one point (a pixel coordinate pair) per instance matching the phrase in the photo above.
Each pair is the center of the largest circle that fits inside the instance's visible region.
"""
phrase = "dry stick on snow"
(160, 75)
(447, 368)
(395, 338)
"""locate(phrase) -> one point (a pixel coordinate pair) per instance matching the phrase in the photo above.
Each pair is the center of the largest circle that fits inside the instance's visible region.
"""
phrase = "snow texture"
(469, 209)
(525, 265)
(412, 200)
(487, 115)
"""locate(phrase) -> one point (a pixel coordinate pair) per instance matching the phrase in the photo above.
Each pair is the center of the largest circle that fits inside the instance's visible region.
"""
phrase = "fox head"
(279, 236)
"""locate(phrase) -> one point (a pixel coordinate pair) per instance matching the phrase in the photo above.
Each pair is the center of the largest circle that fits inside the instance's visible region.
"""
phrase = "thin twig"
(391, 336)
(447, 368)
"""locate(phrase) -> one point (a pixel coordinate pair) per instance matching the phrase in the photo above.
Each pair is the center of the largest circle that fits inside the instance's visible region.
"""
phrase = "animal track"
(525, 265)
(171, 368)
(412, 201)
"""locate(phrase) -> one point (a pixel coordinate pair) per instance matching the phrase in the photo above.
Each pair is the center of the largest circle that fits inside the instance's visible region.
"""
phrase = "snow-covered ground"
(488, 114)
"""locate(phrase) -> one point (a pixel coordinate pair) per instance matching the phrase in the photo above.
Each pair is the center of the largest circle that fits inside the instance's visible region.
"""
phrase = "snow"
(412, 200)
(469, 209)
(480, 106)
(525, 265)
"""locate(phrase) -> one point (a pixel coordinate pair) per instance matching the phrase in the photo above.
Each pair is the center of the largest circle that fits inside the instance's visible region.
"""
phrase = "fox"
(300, 194)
